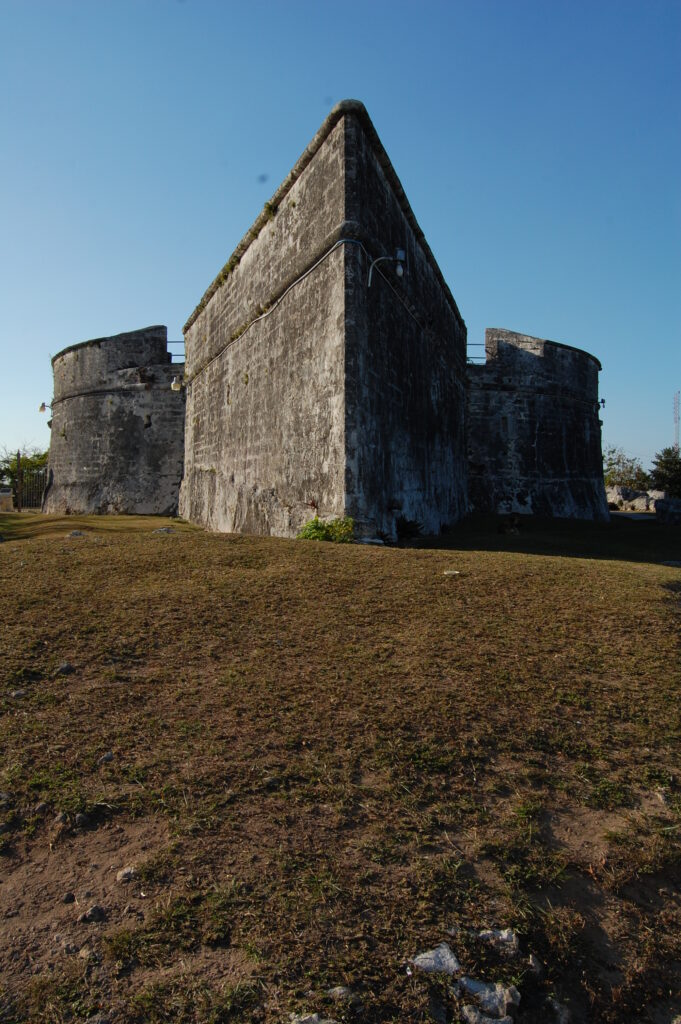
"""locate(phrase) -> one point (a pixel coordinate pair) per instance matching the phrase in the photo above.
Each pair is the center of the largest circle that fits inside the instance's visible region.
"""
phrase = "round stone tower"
(117, 440)
(534, 433)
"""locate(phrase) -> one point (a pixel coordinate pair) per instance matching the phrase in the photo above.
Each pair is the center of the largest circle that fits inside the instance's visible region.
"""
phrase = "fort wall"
(405, 376)
(117, 440)
(309, 393)
(534, 433)
(264, 448)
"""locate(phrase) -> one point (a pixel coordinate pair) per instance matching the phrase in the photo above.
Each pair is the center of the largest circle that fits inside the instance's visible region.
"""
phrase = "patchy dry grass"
(325, 758)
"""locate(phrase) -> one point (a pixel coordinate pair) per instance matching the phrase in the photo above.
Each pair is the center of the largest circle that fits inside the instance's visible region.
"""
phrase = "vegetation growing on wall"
(339, 531)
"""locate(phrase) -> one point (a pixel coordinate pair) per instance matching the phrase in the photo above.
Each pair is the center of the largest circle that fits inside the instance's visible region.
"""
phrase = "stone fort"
(326, 374)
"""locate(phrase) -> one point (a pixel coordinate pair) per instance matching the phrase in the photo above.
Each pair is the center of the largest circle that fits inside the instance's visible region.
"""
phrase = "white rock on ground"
(440, 960)
(503, 938)
(473, 1016)
(493, 997)
(126, 874)
(311, 1018)
(343, 994)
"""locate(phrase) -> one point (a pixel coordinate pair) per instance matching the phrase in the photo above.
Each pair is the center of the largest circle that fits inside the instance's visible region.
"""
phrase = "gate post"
(20, 474)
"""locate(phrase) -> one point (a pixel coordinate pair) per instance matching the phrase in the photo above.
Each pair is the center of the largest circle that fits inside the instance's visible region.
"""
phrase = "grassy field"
(321, 761)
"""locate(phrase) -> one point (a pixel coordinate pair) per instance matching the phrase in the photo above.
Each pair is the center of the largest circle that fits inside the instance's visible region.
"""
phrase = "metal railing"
(29, 487)
(177, 357)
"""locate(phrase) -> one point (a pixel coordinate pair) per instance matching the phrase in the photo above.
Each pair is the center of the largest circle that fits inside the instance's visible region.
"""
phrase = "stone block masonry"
(117, 441)
(311, 393)
(534, 433)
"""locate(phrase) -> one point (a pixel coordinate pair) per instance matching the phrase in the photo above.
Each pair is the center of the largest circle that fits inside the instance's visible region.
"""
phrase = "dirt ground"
(238, 773)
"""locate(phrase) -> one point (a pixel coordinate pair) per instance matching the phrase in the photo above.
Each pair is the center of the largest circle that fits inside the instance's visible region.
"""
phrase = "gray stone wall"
(405, 360)
(117, 439)
(307, 392)
(534, 434)
(265, 433)
(264, 446)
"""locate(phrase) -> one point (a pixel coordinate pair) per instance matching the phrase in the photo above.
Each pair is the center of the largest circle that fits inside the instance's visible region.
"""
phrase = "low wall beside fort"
(117, 441)
(534, 432)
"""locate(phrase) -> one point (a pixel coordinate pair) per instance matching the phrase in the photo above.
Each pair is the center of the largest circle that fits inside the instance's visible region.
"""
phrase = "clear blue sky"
(538, 141)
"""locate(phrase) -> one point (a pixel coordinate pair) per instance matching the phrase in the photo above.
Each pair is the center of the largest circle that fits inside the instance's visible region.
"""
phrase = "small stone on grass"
(94, 914)
(504, 939)
(343, 994)
(493, 998)
(471, 1015)
(126, 874)
(440, 960)
(311, 1018)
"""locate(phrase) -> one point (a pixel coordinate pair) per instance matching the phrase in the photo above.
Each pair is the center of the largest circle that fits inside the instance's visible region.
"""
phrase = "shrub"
(667, 472)
(340, 531)
(620, 469)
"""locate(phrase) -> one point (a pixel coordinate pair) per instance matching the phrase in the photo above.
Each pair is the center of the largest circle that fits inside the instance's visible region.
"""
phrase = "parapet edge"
(345, 107)
(502, 333)
(112, 337)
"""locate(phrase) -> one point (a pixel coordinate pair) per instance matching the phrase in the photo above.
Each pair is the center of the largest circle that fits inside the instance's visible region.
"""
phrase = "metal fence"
(29, 487)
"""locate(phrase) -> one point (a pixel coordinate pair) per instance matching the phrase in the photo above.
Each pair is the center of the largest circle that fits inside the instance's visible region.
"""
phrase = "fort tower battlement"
(117, 440)
(534, 432)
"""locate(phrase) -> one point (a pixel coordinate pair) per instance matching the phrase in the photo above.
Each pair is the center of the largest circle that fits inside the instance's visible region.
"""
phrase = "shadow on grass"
(27, 525)
(621, 539)
(625, 540)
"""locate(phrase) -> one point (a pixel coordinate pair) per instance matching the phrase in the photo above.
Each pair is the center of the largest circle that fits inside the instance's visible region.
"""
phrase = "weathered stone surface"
(338, 399)
(117, 428)
(534, 434)
(405, 373)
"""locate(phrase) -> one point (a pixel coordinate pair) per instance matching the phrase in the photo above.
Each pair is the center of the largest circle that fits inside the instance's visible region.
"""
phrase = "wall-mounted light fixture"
(44, 406)
(399, 258)
(176, 383)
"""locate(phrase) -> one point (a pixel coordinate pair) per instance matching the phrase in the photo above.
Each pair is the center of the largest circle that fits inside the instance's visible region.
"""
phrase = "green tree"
(31, 458)
(620, 469)
(666, 474)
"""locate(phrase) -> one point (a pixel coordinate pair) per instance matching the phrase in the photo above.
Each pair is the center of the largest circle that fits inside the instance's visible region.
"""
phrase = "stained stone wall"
(534, 433)
(405, 372)
(307, 391)
(117, 439)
